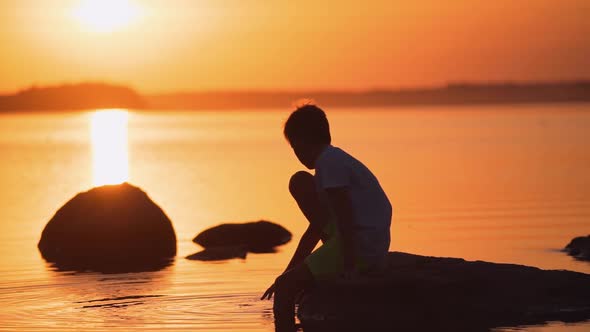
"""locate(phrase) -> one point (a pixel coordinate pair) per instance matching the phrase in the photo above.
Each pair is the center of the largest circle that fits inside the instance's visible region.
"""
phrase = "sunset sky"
(168, 45)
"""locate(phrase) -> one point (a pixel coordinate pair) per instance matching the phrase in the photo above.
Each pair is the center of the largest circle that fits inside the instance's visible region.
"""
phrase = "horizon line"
(448, 84)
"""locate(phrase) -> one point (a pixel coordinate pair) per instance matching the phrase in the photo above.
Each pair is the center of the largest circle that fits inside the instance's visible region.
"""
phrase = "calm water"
(501, 183)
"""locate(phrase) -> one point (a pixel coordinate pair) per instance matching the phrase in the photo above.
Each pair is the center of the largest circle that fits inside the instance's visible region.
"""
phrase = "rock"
(579, 247)
(219, 253)
(421, 293)
(113, 228)
(260, 236)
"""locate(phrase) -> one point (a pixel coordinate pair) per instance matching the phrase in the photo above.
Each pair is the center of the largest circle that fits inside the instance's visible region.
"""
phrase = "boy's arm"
(342, 205)
(308, 241)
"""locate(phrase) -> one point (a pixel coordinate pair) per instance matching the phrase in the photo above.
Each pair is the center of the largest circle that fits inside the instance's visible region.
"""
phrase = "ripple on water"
(147, 301)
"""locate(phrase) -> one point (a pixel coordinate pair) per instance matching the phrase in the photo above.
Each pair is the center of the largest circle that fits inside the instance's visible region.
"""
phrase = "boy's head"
(307, 131)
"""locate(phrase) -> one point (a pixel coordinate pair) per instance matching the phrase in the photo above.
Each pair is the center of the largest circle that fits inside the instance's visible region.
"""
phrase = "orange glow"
(106, 15)
(166, 45)
(109, 146)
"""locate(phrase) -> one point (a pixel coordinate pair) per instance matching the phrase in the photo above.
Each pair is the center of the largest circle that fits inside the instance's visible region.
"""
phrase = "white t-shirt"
(335, 168)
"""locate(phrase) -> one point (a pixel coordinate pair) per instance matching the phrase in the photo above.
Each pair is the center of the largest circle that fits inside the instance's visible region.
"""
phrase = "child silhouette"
(345, 206)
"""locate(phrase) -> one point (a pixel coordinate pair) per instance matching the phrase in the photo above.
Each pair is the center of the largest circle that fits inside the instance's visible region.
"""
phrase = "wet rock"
(579, 247)
(421, 293)
(219, 253)
(113, 228)
(260, 236)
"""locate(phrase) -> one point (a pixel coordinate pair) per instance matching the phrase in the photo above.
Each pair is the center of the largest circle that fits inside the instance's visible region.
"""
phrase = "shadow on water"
(227, 253)
(106, 294)
(111, 266)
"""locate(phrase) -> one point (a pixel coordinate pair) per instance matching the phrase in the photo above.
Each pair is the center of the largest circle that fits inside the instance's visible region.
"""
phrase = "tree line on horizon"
(83, 96)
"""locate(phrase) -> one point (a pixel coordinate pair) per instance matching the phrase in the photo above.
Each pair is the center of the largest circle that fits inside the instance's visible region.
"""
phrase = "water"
(496, 183)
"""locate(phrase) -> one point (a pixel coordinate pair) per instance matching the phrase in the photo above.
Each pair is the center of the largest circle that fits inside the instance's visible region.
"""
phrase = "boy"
(345, 206)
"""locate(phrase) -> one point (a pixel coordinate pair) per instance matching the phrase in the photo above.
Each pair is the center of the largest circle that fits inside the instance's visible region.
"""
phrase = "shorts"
(327, 261)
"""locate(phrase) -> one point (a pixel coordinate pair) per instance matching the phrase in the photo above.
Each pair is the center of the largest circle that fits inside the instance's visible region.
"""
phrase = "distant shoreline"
(86, 96)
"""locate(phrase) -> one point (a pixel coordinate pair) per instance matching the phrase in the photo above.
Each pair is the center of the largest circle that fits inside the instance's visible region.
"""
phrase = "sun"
(106, 15)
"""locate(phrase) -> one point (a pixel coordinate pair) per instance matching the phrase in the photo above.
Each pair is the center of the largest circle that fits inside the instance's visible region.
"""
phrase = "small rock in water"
(260, 236)
(579, 247)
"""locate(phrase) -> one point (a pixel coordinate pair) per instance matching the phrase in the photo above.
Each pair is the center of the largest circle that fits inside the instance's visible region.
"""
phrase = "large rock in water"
(579, 247)
(418, 293)
(260, 236)
(114, 228)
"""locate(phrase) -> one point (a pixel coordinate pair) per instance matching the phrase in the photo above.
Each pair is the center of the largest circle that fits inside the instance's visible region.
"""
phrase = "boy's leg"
(303, 189)
(287, 287)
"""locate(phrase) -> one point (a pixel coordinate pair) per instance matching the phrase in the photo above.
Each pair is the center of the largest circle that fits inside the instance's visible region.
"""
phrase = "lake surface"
(495, 183)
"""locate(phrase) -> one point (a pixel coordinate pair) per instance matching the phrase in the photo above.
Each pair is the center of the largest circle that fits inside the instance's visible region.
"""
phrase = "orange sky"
(251, 44)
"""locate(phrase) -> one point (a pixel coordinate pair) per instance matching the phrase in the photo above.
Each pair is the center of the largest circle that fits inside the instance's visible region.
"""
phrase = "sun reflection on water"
(110, 155)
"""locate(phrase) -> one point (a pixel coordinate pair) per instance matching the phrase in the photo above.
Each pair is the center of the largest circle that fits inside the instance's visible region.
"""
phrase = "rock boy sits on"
(345, 206)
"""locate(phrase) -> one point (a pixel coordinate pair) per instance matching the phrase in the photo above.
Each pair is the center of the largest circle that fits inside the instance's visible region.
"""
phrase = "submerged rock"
(579, 247)
(260, 236)
(421, 293)
(114, 228)
(219, 253)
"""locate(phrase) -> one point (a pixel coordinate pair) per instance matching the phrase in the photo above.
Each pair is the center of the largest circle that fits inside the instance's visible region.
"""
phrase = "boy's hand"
(269, 292)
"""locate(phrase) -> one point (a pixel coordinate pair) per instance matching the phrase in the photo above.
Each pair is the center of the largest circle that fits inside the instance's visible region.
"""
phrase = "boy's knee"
(300, 182)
